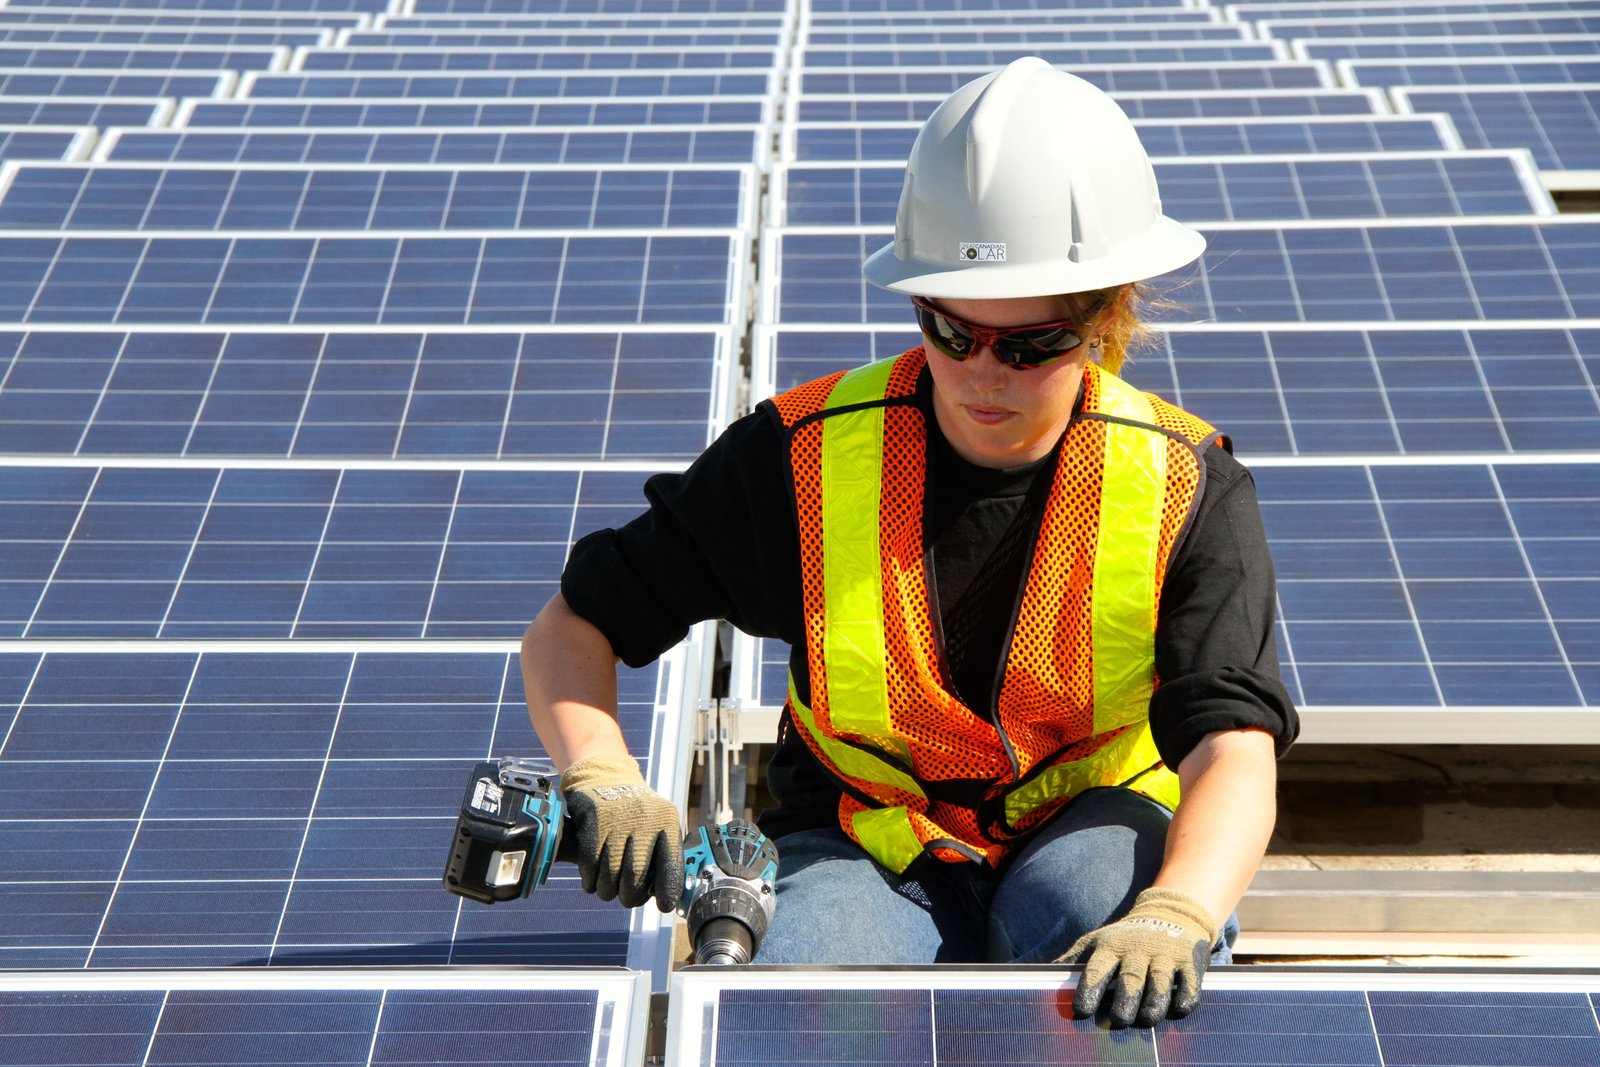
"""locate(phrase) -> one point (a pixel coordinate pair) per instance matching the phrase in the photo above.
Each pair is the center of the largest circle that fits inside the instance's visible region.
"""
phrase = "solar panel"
(516, 144)
(1164, 52)
(1297, 9)
(1325, 390)
(1206, 103)
(642, 393)
(1114, 78)
(700, 83)
(1387, 73)
(860, 141)
(514, 57)
(1032, 37)
(231, 1020)
(1333, 48)
(1377, 24)
(581, 20)
(569, 39)
(45, 142)
(598, 7)
(229, 8)
(105, 84)
(961, 8)
(642, 111)
(246, 196)
(69, 33)
(1560, 125)
(82, 111)
(120, 15)
(193, 57)
(285, 809)
(735, 1016)
(1204, 189)
(647, 277)
(1475, 270)
(950, 19)
(297, 551)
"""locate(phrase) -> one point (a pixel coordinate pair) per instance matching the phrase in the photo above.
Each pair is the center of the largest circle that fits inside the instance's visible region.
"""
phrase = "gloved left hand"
(1156, 955)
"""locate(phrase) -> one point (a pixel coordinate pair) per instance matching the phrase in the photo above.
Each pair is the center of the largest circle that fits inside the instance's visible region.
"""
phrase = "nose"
(986, 372)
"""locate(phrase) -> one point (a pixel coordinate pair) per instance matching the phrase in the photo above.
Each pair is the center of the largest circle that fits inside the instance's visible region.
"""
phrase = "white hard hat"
(1028, 182)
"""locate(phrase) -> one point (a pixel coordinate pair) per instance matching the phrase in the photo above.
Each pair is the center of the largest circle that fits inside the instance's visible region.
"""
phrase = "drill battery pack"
(509, 831)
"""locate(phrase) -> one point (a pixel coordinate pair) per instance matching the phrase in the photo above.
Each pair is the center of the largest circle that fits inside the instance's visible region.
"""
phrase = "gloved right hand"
(630, 844)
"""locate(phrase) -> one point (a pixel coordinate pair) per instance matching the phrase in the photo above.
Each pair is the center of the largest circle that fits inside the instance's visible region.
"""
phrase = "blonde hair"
(1122, 330)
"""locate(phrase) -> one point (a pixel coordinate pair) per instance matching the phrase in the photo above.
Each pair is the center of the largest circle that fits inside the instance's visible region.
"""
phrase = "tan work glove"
(630, 845)
(1157, 954)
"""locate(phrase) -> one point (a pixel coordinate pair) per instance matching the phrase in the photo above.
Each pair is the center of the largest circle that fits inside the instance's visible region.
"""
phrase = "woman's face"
(992, 415)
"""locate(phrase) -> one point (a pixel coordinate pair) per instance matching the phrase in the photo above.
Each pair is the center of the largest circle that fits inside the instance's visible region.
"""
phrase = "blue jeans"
(836, 905)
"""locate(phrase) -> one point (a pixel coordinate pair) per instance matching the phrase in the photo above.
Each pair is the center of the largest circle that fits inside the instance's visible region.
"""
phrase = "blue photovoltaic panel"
(103, 59)
(1559, 125)
(707, 83)
(169, 36)
(26, 142)
(195, 196)
(598, 7)
(145, 552)
(1113, 79)
(232, 1026)
(1464, 25)
(1060, 34)
(586, 22)
(513, 57)
(283, 809)
(1441, 47)
(1340, 391)
(1061, 55)
(572, 39)
(444, 280)
(977, 10)
(1158, 105)
(1382, 74)
(1320, 273)
(1376, 133)
(553, 395)
(1354, 1023)
(1300, 9)
(1214, 190)
(241, 7)
(671, 144)
(85, 111)
(102, 84)
(1051, 19)
(146, 17)
(412, 114)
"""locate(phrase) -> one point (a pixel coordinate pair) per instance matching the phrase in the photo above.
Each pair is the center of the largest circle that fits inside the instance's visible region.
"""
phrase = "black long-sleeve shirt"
(720, 540)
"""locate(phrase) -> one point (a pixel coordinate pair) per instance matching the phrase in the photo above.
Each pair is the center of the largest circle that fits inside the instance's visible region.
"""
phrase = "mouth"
(987, 416)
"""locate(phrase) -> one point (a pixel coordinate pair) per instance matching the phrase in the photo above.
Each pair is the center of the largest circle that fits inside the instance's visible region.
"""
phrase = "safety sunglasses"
(1018, 347)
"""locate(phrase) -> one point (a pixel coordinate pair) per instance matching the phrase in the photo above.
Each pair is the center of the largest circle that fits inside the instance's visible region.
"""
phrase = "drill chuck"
(728, 917)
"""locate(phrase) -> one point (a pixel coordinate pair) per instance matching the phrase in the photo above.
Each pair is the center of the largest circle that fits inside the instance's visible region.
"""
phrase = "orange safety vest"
(1072, 710)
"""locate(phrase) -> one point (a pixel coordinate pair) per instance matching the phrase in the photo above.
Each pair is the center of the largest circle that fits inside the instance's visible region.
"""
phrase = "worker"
(1034, 705)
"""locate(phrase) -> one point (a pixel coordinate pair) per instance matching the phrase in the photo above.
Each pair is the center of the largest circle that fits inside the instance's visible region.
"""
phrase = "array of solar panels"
(329, 325)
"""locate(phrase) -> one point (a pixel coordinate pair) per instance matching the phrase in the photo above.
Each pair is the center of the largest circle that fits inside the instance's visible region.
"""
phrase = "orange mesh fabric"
(802, 400)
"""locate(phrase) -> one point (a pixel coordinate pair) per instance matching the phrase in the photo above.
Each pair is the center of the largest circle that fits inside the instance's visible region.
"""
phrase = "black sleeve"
(718, 541)
(1216, 652)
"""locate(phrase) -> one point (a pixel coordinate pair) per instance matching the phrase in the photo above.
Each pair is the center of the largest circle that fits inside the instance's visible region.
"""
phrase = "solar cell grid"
(229, 8)
(516, 57)
(1377, 24)
(82, 111)
(168, 36)
(107, 84)
(193, 57)
(1297, 9)
(984, 9)
(1114, 78)
(300, 552)
(1465, 71)
(1224, 103)
(598, 7)
(45, 142)
(120, 15)
(487, 84)
(1041, 36)
(416, 280)
(1199, 189)
(579, 21)
(539, 395)
(1334, 48)
(657, 144)
(949, 19)
(1075, 55)
(1315, 272)
(149, 197)
(644, 38)
(817, 142)
(644, 111)
(246, 787)
(1559, 125)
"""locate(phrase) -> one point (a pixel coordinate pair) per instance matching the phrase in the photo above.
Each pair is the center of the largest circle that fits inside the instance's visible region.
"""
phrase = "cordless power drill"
(514, 826)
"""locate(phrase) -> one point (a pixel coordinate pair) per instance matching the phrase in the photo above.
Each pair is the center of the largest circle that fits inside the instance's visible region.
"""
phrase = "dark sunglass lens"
(1037, 346)
(946, 335)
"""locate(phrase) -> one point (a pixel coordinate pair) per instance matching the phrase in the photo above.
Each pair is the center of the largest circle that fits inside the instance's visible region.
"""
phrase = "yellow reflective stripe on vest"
(852, 567)
(1116, 763)
(887, 836)
(849, 760)
(1132, 495)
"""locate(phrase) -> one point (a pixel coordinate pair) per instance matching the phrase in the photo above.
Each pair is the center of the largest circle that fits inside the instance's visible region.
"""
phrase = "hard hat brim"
(1165, 246)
